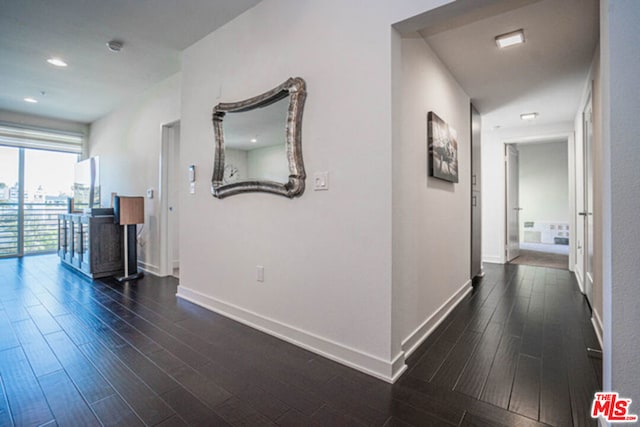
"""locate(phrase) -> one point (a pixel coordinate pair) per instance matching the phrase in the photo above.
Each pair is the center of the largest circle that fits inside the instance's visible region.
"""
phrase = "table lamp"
(129, 211)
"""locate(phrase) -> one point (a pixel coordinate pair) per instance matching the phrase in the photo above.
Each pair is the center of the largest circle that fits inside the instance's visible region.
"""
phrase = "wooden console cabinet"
(91, 244)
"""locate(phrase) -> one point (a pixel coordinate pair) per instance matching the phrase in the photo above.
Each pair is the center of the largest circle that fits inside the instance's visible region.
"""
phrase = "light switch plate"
(321, 181)
(149, 193)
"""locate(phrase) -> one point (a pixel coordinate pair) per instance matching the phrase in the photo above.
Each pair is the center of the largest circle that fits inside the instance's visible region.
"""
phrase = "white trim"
(372, 365)
(398, 366)
(493, 259)
(417, 337)
(167, 141)
(571, 168)
(578, 275)
(597, 326)
(569, 137)
(150, 268)
(543, 138)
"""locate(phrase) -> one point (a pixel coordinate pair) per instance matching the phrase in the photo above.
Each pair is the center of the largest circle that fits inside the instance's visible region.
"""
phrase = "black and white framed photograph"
(443, 149)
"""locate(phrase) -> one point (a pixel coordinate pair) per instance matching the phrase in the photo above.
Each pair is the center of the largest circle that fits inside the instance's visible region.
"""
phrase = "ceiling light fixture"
(510, 39)
(57, 62)
(115, 45)
(31, 100)
(528, 116)
(254, 140)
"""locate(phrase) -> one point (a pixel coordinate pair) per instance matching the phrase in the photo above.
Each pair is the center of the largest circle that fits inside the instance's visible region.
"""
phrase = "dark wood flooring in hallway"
(75, 352)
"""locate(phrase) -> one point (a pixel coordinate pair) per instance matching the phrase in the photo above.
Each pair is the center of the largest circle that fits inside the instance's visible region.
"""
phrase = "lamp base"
(134, 276)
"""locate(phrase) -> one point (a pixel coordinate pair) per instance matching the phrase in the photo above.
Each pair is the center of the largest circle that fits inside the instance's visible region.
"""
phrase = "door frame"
(166, 263)
(584, 274)
(507, 213)
(570, 138)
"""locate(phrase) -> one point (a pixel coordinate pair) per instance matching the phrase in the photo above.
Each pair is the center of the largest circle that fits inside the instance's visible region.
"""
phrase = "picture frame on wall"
(443, 149)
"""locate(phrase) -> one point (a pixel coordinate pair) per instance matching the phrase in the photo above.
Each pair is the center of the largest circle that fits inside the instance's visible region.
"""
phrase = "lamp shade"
(129, 210)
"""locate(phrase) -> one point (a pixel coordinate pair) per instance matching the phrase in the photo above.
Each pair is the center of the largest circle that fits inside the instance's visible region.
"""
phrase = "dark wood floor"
(73, 352)
(542, 259)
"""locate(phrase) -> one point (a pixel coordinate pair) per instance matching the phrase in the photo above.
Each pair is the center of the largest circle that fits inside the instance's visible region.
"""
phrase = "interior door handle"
(585, 213)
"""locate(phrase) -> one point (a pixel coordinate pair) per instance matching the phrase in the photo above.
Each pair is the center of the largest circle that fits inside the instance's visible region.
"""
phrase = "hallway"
(83, 353)
(542, 259)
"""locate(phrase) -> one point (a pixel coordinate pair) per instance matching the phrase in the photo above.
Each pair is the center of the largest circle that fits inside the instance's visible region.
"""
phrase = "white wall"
(129, 142)
(269, 163)
(544, 182)
(431, 217)
(493, 179)
(326, 255)
(621, 204)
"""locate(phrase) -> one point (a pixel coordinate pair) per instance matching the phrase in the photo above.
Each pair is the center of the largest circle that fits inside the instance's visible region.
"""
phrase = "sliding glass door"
(34, 187)
(10, 202)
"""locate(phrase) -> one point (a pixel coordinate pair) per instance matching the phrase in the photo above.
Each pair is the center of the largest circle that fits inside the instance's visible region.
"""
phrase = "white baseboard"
(598, 327)
(579, 279)
(493, 259)
(149, 268)
(386, 370)
(417, 337)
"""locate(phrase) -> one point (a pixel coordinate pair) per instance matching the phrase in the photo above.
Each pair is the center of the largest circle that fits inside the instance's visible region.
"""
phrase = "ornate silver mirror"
(254, 151)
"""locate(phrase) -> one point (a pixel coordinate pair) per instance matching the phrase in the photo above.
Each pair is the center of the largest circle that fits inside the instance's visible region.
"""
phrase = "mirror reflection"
(255, 144)
(258, 145)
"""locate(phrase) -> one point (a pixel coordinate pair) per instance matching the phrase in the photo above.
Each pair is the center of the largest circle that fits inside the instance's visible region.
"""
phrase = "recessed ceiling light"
(510, 39)
(57, 62)
(529, 116)
(31, 100)
(115, 45)
(253, 140)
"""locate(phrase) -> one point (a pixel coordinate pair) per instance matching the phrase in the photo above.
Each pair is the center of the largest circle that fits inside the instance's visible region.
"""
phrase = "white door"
(171, 179)
(513, 203)
(174, 195)
(587, 214)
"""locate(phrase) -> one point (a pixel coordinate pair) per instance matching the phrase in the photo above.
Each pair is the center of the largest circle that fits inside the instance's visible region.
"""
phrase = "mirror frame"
(295, 90)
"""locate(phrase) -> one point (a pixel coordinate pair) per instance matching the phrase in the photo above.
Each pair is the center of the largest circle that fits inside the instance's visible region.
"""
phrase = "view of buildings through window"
(47, 183)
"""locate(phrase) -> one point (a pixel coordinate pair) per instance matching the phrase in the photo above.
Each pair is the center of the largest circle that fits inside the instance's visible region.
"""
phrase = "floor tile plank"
(147, 405)
(525, 396)
(27, 402)
(66, 403)
(113, 411)
(134, 354)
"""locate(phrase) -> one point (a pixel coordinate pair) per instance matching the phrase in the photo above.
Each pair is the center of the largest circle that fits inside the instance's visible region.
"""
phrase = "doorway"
(34, 189)
(513, 202)
(584, 202)
(170, 197)
(538, 209)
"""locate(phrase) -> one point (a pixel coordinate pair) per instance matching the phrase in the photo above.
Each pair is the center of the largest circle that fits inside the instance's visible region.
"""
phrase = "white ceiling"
(546, 74)
(97, 80)
(267, 125)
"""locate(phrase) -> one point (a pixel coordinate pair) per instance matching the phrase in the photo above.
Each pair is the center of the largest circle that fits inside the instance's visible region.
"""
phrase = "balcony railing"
(40, 227)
